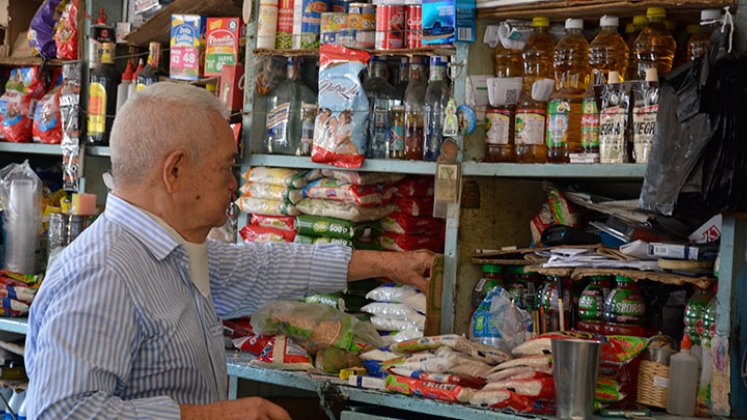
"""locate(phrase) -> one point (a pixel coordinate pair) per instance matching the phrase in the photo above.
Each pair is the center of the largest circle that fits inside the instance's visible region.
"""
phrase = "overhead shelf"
(624, 171)
(31, 148)
(14, 325)
(30, 61)
(369, 165)
(393, 52)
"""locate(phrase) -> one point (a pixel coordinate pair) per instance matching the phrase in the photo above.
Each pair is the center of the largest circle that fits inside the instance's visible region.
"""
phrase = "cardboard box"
(187, 46)
(225, 40)
(447, 21)
(433, 298)
(231, 88)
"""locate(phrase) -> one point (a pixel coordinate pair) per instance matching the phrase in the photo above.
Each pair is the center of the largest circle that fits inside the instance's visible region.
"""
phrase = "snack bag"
(42, 28)
(17, 105)
(427, 389)
(340, 128)
(66, 34)
(253, 344)
(282, 353)
(442, 378)
(252, 233)
(47, 126)
(278, 222)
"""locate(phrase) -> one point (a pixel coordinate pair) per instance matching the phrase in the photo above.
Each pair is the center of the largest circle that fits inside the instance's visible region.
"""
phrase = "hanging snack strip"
(69, 112)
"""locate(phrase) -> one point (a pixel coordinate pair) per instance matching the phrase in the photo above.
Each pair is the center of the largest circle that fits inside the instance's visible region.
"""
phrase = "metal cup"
(575, 366)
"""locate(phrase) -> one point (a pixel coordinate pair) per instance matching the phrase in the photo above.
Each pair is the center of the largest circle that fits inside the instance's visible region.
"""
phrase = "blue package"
(373, 367)
(447, 21)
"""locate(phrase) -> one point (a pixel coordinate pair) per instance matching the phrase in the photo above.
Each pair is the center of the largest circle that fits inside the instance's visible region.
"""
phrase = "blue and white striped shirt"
(118, 330)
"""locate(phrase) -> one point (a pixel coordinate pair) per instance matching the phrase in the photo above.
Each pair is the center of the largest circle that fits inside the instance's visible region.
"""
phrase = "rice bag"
(272, 192)
(284, 177)
(47, 125)
(412, 187)
(332, 189)
(404, 223)
(409, 242)
(444, 360)
(315, 327)
(379, 355)
(477, 351)
(537, 362)
(66, 34)
(405, 335)
(335, 228)
(340, 134)
(42, 27)
(253, 344)
(542, 344)
(17, 105)
(252, 233)
(519, 372)
(277, 222)
(508, 400)
(334, 359)
(414, 321)
(426, 389)
(389, 309)
(267, 207)
(543, 387)
(345, 211)
(309, 240)
(282, 353)
(415, 206)
(399, 293)
(442, 378)
(360, 178)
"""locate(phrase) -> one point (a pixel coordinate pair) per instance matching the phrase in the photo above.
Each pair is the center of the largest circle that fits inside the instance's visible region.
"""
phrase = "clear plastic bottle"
(382, 96)
(531, 114)
(403, 76)
(632, 30)
(608, 51)
(698, 43)
(284, 112)
(499, 121)
(564, 111)
(683, 381)
(436, 98)
(415, 110)
(507, 62)
(124, 86)
(654, 46)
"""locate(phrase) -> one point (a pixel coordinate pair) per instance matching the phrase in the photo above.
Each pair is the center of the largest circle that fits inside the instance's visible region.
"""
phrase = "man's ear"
(174, 170)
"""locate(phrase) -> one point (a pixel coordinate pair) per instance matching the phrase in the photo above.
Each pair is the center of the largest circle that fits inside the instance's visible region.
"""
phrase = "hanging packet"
(47, 126)
(18, 103)
(340, 127)
(66, 34)
(42, 28)
(645, 108)
(613, 124)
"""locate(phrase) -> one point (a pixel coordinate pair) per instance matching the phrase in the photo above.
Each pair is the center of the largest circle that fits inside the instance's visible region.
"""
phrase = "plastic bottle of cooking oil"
(698, 43)
(654, 46)
(608, 51)
(499, 121)
(570, 59)
(632, 30)
(530, 114)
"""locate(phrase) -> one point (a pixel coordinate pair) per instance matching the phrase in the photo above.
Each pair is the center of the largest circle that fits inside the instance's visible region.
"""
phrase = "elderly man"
(127, 323)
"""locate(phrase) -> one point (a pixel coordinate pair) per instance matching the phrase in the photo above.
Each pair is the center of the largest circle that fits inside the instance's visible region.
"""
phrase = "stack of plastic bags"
(411, 227)
(398, 311)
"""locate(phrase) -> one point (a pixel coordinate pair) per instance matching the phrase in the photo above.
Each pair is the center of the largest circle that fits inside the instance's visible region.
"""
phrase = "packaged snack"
(442, 378)
(415, 206)
(613, 124)
(41, 29)
(608, 390)
(309, 240)
(621, 349)
(282, 353)
(47, 126)
(252, 233)
(426, 389)
(410, 322)
(334, 228)
(409, 242)
(237, 328)
(284, 177)
(66, 34)
(402, 223)
(444, 360)
(277, 222)
(253, 344)
(412, 187)
(519, 372)
(315, 327)
(225, 38)
(360, 178)
(267, 207)
(187, 46)
(543, 388)
(540, 222)
(344, 211)
(272, 192)
(340, 127)
(334, 359)
(23, 89)
(474, 350)
(563, 212)
(332, 189)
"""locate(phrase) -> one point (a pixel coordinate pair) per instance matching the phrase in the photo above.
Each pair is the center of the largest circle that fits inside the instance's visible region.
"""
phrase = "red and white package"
(357, 178)
(278, 222)
(66, 32)
(540, 222)
(507, 400)
(237, 328)
(252, 233)
(18, 103)
(442, 378)
(253, 344)
(404, 223)
(407, 242)
(427, 389)
(332, 189)
(47, 127)
(412, 187)
(282, 353)
(519, 372)
(415, 206)
(543, 387)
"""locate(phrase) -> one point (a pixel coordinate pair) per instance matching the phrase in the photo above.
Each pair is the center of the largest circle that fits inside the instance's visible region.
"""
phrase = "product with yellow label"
(102, 101)
(225, 40)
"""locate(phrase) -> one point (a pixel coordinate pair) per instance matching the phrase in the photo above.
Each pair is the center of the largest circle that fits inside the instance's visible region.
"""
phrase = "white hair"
(158, 120)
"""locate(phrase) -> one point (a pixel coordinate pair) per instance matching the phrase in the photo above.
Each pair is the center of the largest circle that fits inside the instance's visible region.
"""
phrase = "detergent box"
(187, 46)
(447, 21)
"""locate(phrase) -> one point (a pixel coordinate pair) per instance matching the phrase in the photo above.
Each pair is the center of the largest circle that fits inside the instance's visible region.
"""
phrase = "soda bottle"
(654, 46)
(570, 60)
(591, 304)
(102, 98)
(694, 311)
(624, 309)
(698, 43)
(436, 98)
(608, 51)
(507, 62)
(499, 121)
(382, 96)
(415, 110)
(703, 401)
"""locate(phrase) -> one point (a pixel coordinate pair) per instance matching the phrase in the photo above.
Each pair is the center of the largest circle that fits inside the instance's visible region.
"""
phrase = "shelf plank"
(14, 325)
(369, 165)
(549, 170)
(446, 51)
(311, 52)
(30, 61)
(31, 148)
(104, 151)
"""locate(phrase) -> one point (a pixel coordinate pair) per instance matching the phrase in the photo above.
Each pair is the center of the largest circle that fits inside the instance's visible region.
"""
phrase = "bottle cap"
(692, 29)
(652, 75)
(709, 15)
(540, 21)
(640, 20)
(574, 24)
(656, 12)
(686, 344)
(608, 20)
(102, 17)
(127, 75)
(612, 78)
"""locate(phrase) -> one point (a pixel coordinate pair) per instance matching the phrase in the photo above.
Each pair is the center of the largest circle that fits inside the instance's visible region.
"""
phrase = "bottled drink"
(397, 132)
(632, 30)
(645, 109)
(683, 381)
(415, 110)
(491, 277)
(694, 311)
(590, 118)
(698, 43)
(499, 121)
(131, 89)
(624, 309)
(436, 98)
(608, 51)
(703, 402)
(382, 96)
(654, 46)
(124, 87)
(591, 304)
(537, 54)
(550, 305)
(150, 73)
(403, 76)
(102, 98)
(284, 106)
(571, 82)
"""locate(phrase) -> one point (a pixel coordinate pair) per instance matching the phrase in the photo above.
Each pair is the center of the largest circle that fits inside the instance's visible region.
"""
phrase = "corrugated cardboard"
(433, 298)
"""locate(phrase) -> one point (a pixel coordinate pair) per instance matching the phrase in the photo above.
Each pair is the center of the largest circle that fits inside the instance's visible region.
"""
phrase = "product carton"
(231, 89)
(447, 21)
(225, 40)
(187, 46)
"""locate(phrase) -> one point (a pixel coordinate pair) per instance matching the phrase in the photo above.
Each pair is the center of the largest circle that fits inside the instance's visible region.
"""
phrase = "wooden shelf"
(30, 61)
(560, 10)
(446, 51)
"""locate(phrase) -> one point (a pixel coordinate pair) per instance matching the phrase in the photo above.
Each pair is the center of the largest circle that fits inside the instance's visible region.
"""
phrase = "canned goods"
(362, 16)
(414, 26)
(331, 38)
(356, 38)
(75, 226)
(333, 22)
(57, 231)
(306, 22)
(390, 25)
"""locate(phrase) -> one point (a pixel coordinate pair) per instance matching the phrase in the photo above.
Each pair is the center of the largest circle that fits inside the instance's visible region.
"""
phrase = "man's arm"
(402, 267)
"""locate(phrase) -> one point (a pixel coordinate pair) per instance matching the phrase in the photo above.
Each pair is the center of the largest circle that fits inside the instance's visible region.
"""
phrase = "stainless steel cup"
(575, 366)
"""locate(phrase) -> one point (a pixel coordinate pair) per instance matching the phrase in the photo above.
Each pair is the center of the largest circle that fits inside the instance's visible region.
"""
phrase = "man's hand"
(401, 267)
(253, 408)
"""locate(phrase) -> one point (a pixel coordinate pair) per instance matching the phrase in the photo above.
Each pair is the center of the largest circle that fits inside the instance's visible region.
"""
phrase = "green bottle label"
(558, 112)
(589, 124)
(625, 306)
(591, 304)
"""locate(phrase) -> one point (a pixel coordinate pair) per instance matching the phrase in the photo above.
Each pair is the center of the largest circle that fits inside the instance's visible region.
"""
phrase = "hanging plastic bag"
(42, 28)
(18, 103)
(21, 198)
(66, 34)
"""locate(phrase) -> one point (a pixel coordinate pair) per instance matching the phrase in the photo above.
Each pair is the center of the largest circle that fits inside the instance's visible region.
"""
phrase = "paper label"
(497, 125)
(558, 112)
(530, 126)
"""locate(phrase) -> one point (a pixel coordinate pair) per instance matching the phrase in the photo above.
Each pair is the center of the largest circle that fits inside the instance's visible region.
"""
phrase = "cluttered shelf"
(516, 170)
(14, 325)
(31, 148)
(498, 9)
(369, 165)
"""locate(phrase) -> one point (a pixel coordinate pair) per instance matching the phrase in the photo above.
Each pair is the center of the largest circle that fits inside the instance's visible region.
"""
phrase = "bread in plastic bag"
(500, 322)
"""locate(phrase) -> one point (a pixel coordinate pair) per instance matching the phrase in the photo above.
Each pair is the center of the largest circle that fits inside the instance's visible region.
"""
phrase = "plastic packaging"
(414, 322)
(426, 389)
(361, 178)
(278, 222)
(654, 46)
(404, 223)
(267, 207)
(443, 360)
(272, 192)
(543, 387)
(608, 51)
(683, 382)
(334, 228)
(332, 189)
(252, 233)
(399, 293)
(476, 351)
(23, 89)
(47, 126)
(253, 344)
(442, 378)
(277, 176)
(42, 28)
(415, 206)
(310, 240)
(409, 242)
(66, 33)
(498, 322)
(282, 353)
(333, 360)
(412, 187)
(21, 196)
(346, 211)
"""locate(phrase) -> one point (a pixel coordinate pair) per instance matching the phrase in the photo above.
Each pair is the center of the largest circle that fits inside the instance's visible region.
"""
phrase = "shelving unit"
(493, 10)
(31, 148)
(578, 171)
(369, 165)
(29, 61)
(14, 325)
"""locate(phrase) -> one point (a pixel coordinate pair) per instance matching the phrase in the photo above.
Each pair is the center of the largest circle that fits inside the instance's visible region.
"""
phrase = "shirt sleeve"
(82, 337)
(244, 276)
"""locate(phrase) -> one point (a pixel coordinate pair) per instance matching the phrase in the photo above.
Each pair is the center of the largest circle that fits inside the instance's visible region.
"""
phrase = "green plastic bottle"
(624, 309)
(703, 401)
(694, 311)
(591, 304)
